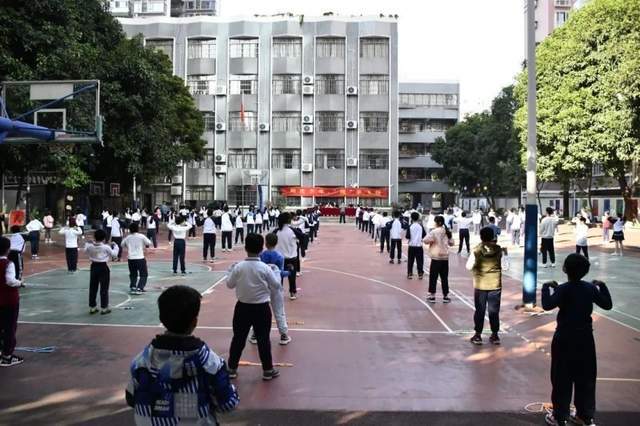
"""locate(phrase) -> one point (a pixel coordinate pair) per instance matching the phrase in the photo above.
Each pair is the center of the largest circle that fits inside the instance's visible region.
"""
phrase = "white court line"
(616, 379)
(40, 273)
(210, 289)
(626, 314)
(390, 286)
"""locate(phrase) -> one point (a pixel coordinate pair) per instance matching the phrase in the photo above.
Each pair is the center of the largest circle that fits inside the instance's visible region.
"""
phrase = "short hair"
(415, 216)
(385, 214)
(226, 208)
(487, 235)
(179, 219)
(549, 210)
(254, 243)
(133, 227)
(179, 305)
(576, 266)
(464, 214)
(100, 235)
(396, 213)
(583, 219)
(271, 239)
(439, 220)
(72, 221)
(209, 212)
(492, 219)
(15, 229)
(5, 245)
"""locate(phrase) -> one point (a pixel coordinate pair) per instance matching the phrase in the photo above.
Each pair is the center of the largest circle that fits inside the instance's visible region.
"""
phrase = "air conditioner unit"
(221, 169)
(307, 167)
(352, 90)
(221, 158)
(307, 79)
(264, 127)
(307, 128)
(307, 119)
(176, 190)
(307, 90)
(221, 89)
(352, 124)
(221, 127)
(352, 162)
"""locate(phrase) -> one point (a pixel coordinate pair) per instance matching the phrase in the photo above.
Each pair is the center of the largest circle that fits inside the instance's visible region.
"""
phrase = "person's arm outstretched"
(601, 296)
(550, 301)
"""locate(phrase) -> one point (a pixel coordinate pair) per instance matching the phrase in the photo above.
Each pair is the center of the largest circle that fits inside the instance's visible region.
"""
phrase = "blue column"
(530, 255)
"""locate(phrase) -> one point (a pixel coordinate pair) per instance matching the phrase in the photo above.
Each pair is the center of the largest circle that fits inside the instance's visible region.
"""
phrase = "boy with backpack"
(415, 234)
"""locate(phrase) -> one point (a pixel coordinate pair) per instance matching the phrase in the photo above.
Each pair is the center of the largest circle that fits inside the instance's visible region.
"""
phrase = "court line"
(444, 324)
(617, 379)
(210, 289)
(626, 314)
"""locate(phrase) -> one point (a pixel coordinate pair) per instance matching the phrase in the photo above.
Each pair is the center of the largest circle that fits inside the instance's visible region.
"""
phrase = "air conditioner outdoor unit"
(221, 158)
(307, 167)
(307, 119)
(221, 89)
(176, 190)
(352, 124)
(264, 127)
(307, 90)
(221, 127)
(307, 79)
(307, 128)
(352, 90)
(221, 169)
(352, 162)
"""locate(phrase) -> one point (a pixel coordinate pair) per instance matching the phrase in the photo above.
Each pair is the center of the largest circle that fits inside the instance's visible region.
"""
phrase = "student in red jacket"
(9, 306)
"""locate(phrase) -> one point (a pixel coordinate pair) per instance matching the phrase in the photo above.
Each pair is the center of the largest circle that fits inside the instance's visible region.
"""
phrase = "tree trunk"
(625, 190)
(539, 188)
(566, 208)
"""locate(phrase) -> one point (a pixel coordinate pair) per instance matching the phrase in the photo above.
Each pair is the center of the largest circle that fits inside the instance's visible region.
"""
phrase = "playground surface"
(366, 349)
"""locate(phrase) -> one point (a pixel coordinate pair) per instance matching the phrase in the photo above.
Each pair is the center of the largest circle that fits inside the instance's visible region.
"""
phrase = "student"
(266, 222)
(153, 224)
(476, 218)
(48, 222)
(343, 213)
(415, 234)
(358, 210)
(258, 222)
(395, 229)
(287, 246)
(250, 220)
(573, 350)
(9, 306)
(33, 228)
(582, 235)
(209, 237)
(100, 254)
(227, 230)
(194, 379)
(439, 240)
(107, 223)
(384, 232)
(179, 229)
(239, 229)
(485, 264)
(135, 244)
(606, 226)
(254, 282)
(495, 228)
(272, 217)
(548, 227)
(143, 218)
(365, 220)
(618, 234)
(516, 224)
(191, 220)
(463, 223)
(71, 234)
(116, 233)
(431, 221)
(135, 218)
(16, 250)
(80, 221)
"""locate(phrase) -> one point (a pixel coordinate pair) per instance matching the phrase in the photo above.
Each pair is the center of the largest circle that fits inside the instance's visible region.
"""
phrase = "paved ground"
(367, 349)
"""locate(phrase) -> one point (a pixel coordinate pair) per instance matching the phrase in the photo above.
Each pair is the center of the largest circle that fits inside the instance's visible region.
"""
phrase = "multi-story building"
(305, 109)
(427, 110)
(151, 8)
(551, 14)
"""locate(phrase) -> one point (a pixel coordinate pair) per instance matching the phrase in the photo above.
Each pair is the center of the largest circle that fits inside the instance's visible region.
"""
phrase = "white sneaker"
(544, 265)
(553, 265)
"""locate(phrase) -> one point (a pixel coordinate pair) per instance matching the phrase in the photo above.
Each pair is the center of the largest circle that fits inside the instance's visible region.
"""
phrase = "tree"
(481, 154)
(588, 80)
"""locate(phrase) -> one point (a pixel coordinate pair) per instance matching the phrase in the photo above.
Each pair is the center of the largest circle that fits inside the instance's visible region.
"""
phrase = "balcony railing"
(564, 3)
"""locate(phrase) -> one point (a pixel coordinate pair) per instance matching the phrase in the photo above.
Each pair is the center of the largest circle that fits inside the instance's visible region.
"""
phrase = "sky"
(478, 43)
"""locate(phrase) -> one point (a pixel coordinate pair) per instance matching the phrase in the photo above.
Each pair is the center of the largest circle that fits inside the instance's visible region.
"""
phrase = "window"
(329, 121)
(374, 159)
(242, 159)
(288, 201)
(597, 169)
(242, 195)
(416, 125)
(243, 48)
(414, 149)
(330, 84)
(412, 173)
(209, 118)
(286, 84)
(207, 161)
(374, 84)
(285, 159)
(287, 47)
(374, 121)
(329, 159)
(330, 47)
(162, 45)
(201, 49)
(286, 122)
(238, 124)
(429, 99)
(374, 48)
(199, 194)
(561, 18)
(201, 84)
(243, 84)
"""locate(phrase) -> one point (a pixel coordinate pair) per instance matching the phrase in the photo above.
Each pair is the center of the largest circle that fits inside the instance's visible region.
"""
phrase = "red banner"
(324, 191)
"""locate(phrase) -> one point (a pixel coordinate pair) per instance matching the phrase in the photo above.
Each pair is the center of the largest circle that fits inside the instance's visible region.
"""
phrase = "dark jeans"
(463, 235)
(117, 241)
(245, 316)
(439, 268)
(192, 231)
(8, 327)
(290, 265)
(226, 238)
(384, 238)
(258, 228)
(415, 254)
(138, 267)
(546, 247)
(573, 365)
(34, 238)
(396, 245)
(71, 254)
(487, 300)
(343, 218)
(108, 236)
(179, 247)
(152, 234)
(240, 234)
(208, 245)
(584, 249)
(250, 228)
(99, 278)
(16, 257)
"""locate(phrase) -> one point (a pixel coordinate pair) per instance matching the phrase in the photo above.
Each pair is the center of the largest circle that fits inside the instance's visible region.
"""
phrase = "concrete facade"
(151, 8)
(551, 14)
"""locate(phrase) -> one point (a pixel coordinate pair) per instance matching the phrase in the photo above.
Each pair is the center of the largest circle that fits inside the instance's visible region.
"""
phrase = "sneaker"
(93, 311)
(133, 291)
(420, 276)
(409, 277)
(544, 265)
(399, 261)
(391, 261)
(183, 272)
(579, 421)
(298, 274)
(270, 374)
(253, 339)
(494, 339)
(551, 421)
(431, 299)
(233, 374)
(284, 339)
(211, 261)
(10, 361)
(476, 339)
(553, 265)
(446, 299)
(292, 296)
(105, 311)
